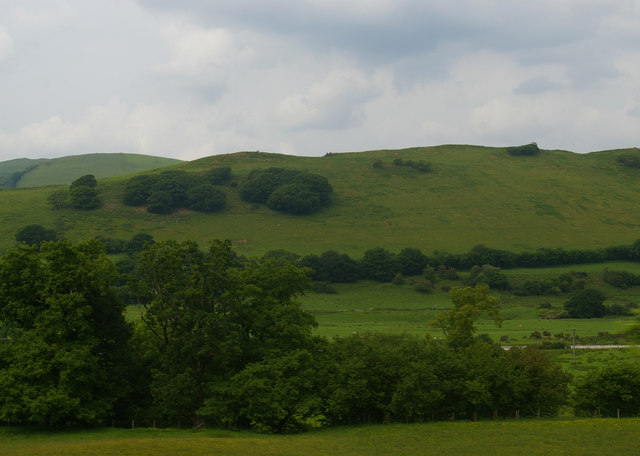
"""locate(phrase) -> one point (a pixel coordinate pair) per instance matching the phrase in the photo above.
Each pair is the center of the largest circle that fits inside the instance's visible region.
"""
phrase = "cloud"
(5, 44)
(332, 103)
(537, 85)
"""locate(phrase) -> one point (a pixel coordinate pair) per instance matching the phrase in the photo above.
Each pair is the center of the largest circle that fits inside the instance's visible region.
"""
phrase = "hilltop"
(24, 172)
(473, 195)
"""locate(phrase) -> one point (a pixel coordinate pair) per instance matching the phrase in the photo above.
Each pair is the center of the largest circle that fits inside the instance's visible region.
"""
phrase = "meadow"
(386, 307)
(533, 437)
(475, 195)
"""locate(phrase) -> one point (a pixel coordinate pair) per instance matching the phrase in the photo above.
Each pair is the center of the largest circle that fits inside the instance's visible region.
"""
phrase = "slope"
(474, 195)
(40, 172)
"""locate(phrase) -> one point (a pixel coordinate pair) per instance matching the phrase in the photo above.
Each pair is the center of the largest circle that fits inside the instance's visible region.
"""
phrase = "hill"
(473, 195)
(23, 172)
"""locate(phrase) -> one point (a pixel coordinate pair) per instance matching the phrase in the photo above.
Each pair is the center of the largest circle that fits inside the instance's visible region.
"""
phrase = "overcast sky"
(192, 78)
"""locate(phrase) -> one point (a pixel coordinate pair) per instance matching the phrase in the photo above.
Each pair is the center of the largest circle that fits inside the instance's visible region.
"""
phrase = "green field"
(385, 307)
(558, 437)
(474, 195)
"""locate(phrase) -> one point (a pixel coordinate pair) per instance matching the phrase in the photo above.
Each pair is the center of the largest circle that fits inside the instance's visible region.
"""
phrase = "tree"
(68, 360)
(206, 198)
(217, 176)
(609, 390)
(35, 235)
(59, 198)
(468, 304)
(138, 189)
(83, 197)
(587, 303)
(208, 316)
(88, 180)
(412, 261)
(379, 264)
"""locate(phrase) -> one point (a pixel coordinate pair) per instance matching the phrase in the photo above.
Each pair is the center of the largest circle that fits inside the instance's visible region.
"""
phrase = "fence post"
(133, 424)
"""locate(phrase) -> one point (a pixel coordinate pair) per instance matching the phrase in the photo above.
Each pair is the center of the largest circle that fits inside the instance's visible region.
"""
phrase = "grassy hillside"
(567, 437)
(474, 195)
(36, 173)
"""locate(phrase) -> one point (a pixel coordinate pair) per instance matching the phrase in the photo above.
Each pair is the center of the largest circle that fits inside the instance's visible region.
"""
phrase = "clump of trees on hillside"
(530, 149)
(171, 190)
(631, 161)
(81, 194)
(287, 190)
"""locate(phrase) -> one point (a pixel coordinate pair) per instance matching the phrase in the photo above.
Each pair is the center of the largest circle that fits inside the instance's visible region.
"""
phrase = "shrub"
(217, 176)
(527, 149)
(88, 180)
(206, 198)
(59, 198)
(398, 279)
(423, 286)
(632, 161)
(138, 189)
(294, 199)
(587, 303)
(412, 261)
(379, 264)
(35, 234)
(84, 198)
(608, 390)
(160, 202)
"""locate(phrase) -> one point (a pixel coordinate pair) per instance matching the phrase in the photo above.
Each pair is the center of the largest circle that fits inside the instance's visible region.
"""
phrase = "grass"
(385, 307)
(474, 195)
(562, 437)
(66, 169)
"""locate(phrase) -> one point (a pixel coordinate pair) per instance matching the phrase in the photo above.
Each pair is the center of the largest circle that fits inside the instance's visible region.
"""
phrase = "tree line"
(223, 341)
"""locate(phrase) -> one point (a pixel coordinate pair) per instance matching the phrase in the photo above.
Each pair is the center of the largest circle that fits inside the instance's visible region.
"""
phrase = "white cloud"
(196, 50)
(333, 102)
(5, 44)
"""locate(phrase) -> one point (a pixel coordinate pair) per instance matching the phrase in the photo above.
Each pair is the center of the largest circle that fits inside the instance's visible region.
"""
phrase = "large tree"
(67, 360)
(208, 316)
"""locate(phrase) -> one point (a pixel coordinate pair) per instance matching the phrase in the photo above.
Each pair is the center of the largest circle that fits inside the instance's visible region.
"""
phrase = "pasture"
(558, 437)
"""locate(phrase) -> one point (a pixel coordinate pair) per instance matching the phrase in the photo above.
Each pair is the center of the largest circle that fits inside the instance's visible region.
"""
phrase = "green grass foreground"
(556, 437)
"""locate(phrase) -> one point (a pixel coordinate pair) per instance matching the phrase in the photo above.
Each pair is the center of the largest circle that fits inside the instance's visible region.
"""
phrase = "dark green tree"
(412, 261)
(83, 197)
(609, 390)
(209, 316)
(587, 303)
(35, 235)
(379, 264)
(88, 180)
(206, 198)
(68, 360)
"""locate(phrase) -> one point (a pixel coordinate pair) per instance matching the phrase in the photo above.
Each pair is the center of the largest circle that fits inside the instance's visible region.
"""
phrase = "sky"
(192, 78)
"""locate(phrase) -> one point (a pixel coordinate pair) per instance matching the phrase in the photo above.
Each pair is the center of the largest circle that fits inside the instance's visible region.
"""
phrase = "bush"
(206, 198)
(620, 279)
(294, 199)
(398, 279)
(379, 264)
(35, 234)
(59, 198)
(412, 261)
(527, 149)
(84, 198)
(138, 189)
(608, 390)
(423, 286)
(160, 202)
(285, 190)
(88, 180)
(587, 303)
(632, 161)
(217, 176)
